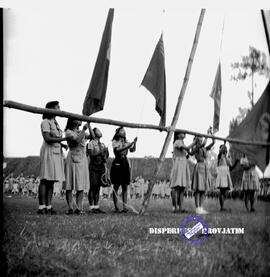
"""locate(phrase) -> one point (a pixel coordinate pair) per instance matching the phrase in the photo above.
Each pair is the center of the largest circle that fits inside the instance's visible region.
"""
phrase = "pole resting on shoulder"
(169, 129)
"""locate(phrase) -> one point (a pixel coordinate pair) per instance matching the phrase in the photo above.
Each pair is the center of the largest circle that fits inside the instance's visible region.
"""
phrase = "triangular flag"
(155, 80)
(216, 95)
(256, 127)
(96, 93)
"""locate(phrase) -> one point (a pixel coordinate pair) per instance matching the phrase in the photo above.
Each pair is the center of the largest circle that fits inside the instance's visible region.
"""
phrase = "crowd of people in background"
(21, 185)
(28, 186)
(137, 189)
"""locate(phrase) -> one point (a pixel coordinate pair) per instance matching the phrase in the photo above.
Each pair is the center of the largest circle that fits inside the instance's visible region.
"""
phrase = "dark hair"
(71, 124)
(50, 105)
(222, 150)
(176, 133)
(94, 130)
(116, 135)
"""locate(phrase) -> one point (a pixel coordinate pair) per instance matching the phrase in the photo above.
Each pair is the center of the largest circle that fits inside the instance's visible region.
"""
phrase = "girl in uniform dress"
(77, 174)
(223, 180)
(180, 174)
(120, 169)
(250, 182)
(200, 180)
(51, 159)
(98, 154)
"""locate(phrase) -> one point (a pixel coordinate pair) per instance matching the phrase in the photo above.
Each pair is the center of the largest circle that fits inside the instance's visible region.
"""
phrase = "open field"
(120, 244)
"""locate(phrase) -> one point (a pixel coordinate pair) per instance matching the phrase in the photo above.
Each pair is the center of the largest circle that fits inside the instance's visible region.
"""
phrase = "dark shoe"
(116, 211)
(42, 211)
(78, 212)
(69, 212)
(94, 211)
(124, 211)
(252, 210)
(99, 211)
(51, 211)
(182, 211)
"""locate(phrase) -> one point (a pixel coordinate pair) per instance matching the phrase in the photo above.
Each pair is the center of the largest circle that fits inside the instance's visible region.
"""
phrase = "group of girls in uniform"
(181, 179)
(180, 174)
(78, 173)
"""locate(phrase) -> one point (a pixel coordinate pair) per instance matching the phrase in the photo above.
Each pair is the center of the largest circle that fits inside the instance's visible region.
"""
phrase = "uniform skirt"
(120, 172)
(51, 162)
(200, 178)
(250, 180)
(95, 173)
(223, 179)
(77, 173)
(180, 174)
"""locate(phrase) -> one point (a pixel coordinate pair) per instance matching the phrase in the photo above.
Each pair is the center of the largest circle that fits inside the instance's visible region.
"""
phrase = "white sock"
(40, 207)
(96, 207)
(49, 207)
(91, 207)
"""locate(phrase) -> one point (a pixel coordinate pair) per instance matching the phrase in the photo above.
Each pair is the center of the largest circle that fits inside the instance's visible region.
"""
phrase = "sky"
(50, 49)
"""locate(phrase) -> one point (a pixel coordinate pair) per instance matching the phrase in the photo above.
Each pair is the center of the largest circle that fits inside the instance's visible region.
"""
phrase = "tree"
(254, 63)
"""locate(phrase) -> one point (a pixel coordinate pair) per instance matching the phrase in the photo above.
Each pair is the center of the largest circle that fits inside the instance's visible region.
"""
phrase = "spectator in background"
(15, 189)
(167, 189)
(30, 185)
(21, 181)
(11, 181)
(6, 186)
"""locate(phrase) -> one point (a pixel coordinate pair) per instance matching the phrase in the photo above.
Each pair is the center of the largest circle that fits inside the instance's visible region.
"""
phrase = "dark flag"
(155, 80)
(256, 127)
(96, 93)
(216, 95)
(266, 24)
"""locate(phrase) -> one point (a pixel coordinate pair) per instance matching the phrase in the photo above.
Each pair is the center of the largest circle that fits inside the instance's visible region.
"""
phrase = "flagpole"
(146, 199)
(37, 110)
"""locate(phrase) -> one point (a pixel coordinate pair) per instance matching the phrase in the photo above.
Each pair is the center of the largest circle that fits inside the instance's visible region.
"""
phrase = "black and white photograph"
(136, 138)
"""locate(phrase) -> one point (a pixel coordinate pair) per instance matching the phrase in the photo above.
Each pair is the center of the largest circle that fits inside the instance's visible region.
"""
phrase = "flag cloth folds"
(216, 95)
(256, 127)
(96, 93)
(155, 80)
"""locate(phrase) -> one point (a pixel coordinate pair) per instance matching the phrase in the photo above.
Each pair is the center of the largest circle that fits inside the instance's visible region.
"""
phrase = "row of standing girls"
(180, 174)
(200, 180)
(78, 173)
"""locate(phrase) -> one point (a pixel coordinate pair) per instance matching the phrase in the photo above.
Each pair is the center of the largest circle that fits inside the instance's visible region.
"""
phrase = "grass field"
(120, 244)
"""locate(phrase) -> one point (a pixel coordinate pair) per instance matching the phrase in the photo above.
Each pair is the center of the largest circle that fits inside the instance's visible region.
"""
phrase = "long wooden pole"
(176, 114)
(60, 113)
